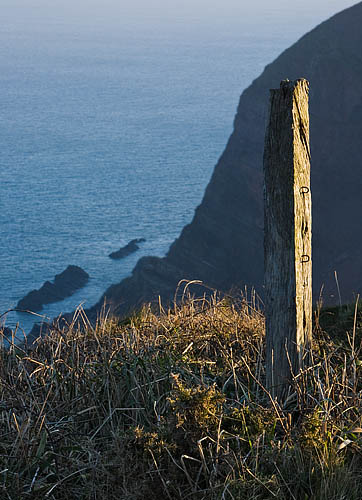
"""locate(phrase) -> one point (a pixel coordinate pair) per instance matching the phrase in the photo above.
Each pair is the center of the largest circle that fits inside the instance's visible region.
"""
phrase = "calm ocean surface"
(109, 134)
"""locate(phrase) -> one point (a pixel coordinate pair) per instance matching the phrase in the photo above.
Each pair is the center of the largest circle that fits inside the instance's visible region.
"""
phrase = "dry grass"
(172, 406)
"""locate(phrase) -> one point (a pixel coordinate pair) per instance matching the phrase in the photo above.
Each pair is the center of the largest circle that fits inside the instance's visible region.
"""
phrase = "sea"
(110, 128)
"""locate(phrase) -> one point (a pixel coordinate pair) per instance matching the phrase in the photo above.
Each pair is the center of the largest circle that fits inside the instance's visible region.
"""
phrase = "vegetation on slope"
(172, 406)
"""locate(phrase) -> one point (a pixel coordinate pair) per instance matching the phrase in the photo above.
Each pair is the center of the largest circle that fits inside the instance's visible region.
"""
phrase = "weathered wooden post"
(287, 237)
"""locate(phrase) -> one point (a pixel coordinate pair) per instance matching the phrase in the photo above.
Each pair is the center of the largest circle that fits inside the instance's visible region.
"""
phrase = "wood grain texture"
(287, 236)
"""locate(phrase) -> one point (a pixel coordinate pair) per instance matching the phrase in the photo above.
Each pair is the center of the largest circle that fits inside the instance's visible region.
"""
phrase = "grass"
(172, 405)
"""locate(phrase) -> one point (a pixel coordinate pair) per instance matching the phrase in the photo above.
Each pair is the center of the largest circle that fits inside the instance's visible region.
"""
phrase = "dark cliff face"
(223, 245)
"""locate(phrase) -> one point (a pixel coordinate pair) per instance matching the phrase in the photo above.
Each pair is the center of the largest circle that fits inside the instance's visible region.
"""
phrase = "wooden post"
(287, 236)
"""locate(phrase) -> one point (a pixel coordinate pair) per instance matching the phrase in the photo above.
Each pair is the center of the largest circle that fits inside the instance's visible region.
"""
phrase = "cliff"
(223, 245)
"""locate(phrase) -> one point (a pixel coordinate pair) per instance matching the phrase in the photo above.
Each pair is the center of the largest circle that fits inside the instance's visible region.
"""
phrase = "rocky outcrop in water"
(223, 245)
(5, 332)
(128, 249)
(65, 284)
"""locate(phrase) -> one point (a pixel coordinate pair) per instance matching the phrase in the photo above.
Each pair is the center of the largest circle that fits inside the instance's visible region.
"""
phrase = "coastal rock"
(64, 285)
(5, 332)
(6, 336)
(223, 245)
(131, 247)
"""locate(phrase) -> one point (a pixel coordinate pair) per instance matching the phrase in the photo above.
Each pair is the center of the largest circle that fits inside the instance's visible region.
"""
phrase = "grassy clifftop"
(172, 406)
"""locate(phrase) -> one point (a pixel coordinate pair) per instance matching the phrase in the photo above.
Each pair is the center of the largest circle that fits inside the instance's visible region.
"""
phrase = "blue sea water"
(110, 132)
